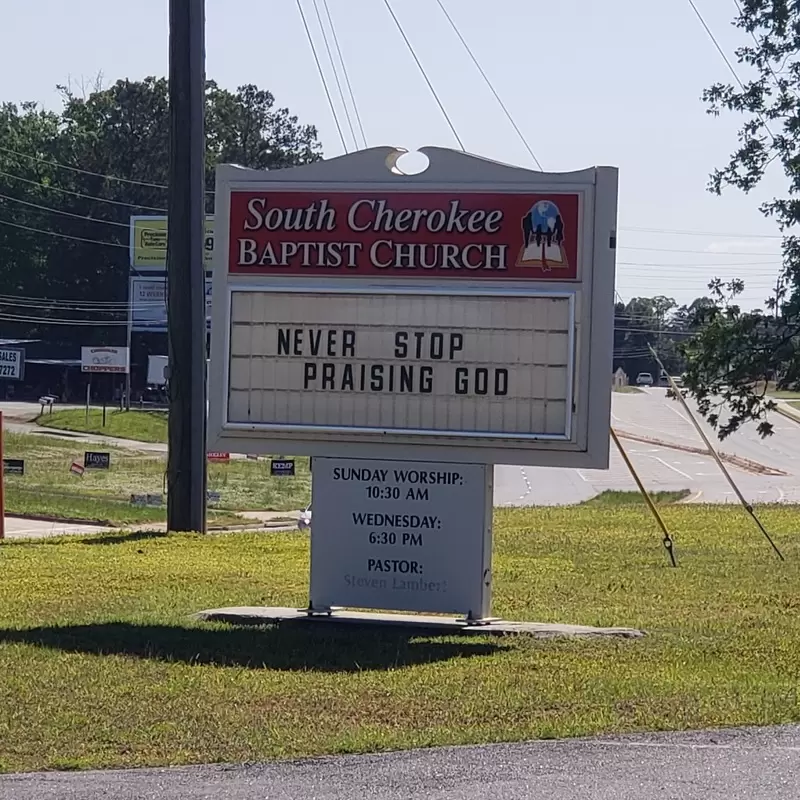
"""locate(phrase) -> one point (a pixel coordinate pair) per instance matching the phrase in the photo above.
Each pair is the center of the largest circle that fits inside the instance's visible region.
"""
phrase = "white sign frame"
(459, 173)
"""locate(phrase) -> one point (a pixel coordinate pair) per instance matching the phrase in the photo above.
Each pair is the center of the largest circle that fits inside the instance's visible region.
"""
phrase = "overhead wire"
(322, 75)
(52, 188)
(62, 235)
(345, 71)
(335, 72)
(727, 62)
(424, 73)
(490, 85)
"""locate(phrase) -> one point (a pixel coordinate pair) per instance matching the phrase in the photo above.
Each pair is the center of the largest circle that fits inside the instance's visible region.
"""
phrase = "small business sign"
(281, 468)
(105, 359)
(13, 466)
(219, 458)
(12, 363)
(92, 460)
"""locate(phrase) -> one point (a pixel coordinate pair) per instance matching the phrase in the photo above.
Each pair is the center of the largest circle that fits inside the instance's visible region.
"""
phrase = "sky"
(588, 83)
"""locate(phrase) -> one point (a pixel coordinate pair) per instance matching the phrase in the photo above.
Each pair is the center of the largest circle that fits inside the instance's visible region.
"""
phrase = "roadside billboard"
(148, 242)
(148, 303)
(12, 363)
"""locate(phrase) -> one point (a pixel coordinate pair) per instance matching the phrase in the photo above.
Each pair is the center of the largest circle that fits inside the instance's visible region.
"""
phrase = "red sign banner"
(223, 458)
(405, 234)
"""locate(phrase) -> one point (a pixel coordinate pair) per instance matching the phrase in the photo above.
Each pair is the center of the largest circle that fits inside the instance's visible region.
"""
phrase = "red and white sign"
(219, 457)
(105, 359)
(477, 235)
(76, 468)
(460, 315)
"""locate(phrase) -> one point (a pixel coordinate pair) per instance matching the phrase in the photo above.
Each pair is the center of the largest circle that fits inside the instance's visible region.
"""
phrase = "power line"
(345, 71)
(79, 194)
(424, 74)
(66, 213)
(490, 85)
(697, 252)
(680, 232)
(62, 235)
(322, 75)
(55, 321)
(59, 165)
(335, 72)
(727, 62)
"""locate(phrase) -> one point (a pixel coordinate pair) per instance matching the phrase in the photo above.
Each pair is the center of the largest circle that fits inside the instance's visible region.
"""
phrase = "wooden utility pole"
(186, 319)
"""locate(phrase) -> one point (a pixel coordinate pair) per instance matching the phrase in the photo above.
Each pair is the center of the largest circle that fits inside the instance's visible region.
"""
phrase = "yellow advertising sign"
(149, 243)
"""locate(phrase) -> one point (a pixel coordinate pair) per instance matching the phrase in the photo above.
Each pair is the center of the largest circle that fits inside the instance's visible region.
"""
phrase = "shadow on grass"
(306, 647)
(121, 538)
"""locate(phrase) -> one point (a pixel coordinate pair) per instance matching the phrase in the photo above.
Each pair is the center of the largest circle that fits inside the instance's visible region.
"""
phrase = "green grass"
(144, 426)
(794, 404)
(613, 498)
(101, 665)
(49, 488)
(627, 390)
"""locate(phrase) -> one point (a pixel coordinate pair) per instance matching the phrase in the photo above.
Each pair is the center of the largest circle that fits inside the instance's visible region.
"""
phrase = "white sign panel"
(463, 314)
(488, 366)
(148, 303)
(105, 359)
(12, 363)
(397, 535)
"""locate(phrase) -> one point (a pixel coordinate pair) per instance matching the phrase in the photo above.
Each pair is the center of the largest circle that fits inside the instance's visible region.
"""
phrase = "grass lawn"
(102, 667)
(795, 404)
(612, 498)
(144, 426)
(627, 390)
(48, 487)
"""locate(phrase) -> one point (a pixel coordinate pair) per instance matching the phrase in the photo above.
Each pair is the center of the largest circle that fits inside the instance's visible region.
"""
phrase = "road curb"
(753, 467)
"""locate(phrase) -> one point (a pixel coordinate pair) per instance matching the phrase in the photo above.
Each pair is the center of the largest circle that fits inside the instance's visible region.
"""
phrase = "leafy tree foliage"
(738, 355)
(120, 131)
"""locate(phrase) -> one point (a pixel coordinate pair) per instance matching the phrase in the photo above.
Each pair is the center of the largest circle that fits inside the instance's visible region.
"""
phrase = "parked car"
(644, 379)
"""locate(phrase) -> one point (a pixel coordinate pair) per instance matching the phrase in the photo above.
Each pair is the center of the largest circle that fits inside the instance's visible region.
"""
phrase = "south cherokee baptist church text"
(475, 235)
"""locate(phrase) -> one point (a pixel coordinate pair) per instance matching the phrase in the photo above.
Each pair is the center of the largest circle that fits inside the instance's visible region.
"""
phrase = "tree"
(117, 142)
(737, 355)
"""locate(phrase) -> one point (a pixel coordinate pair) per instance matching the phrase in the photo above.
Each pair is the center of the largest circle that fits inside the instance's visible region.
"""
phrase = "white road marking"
(669, 466)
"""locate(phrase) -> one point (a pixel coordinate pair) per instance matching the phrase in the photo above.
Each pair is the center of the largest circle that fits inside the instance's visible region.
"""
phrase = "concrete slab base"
(256, 615)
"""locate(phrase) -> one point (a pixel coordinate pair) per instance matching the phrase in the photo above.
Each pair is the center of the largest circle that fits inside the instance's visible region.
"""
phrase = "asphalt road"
(661, 468)
(741, 764)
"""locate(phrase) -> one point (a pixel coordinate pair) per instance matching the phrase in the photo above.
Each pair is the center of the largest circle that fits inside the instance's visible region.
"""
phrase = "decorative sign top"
(442, 235)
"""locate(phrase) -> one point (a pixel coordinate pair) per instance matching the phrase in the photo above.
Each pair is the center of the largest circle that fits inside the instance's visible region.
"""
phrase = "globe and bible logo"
(543, 238)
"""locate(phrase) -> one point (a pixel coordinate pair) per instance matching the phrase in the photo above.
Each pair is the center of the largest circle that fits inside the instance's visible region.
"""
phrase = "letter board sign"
(464, 314)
